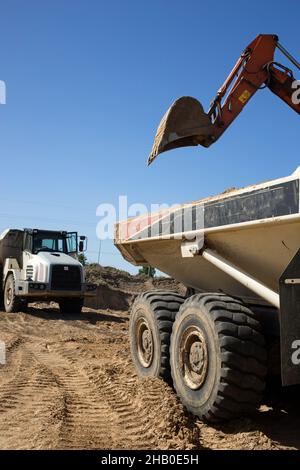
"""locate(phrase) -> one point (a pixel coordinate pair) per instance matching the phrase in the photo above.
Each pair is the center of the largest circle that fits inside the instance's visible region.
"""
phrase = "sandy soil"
(69, 383)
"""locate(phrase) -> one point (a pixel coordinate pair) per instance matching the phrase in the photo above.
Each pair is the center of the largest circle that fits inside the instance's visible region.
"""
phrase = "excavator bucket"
(184, 124)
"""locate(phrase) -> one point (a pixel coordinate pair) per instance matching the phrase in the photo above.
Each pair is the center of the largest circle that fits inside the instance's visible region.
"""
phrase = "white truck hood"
(57, 258)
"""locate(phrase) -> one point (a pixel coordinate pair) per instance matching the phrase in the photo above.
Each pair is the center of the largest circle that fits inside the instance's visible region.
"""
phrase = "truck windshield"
(50, 241)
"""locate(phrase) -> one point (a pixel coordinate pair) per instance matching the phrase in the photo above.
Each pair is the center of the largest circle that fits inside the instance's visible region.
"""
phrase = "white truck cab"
(41, 265)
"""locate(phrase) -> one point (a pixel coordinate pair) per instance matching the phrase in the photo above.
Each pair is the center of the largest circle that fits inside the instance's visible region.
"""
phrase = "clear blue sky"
(87, 83)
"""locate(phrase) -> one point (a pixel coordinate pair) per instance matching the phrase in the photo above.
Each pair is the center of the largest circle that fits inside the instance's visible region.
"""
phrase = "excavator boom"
(185, 123)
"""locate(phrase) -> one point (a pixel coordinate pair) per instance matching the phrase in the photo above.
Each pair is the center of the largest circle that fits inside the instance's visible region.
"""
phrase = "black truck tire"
(69, 306)
(150, 327)
(218, 357)
(12, 303)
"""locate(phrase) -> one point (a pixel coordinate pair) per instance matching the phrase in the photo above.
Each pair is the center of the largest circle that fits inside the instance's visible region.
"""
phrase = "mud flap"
(289, 289)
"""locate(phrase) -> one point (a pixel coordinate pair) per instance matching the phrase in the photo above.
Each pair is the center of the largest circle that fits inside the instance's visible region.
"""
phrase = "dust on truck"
(41, 265)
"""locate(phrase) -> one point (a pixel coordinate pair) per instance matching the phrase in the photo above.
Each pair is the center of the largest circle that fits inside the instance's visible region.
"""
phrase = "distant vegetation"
(147, 271)
(82, 259)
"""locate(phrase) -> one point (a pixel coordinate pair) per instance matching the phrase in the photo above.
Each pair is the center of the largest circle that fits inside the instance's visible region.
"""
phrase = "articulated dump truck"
(41, 265)
(239, 255)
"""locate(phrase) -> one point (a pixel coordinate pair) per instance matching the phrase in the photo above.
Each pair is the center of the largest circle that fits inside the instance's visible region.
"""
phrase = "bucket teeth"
(184, 124)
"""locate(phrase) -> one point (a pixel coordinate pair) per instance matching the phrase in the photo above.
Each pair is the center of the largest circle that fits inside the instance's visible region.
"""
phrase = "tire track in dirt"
(148, 411)
(139, 418)
(87, 421)
(71, 377)
(29, 403)
(69, 383)
(12, 386)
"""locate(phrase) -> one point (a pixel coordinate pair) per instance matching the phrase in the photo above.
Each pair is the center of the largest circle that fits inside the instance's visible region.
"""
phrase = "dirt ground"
(69, 383)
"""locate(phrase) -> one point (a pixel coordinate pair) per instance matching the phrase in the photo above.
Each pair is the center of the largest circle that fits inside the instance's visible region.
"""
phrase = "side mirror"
(82, 245)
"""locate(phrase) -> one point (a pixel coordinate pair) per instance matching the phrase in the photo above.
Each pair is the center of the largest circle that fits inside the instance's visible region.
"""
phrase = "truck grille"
(29, 271)
(65, 277)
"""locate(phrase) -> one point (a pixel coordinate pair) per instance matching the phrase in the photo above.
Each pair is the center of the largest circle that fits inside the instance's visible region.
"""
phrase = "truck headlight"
(37, 286)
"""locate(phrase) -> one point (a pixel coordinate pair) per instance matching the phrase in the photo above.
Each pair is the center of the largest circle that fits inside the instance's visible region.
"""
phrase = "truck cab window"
(47, 241)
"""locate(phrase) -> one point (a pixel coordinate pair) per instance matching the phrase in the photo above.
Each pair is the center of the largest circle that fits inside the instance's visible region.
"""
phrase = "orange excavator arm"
(186, 123)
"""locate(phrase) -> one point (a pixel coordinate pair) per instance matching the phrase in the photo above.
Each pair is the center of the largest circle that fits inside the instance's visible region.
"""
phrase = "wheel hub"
(193, 357)
(8, 295)
(144, 341)
(196, 357)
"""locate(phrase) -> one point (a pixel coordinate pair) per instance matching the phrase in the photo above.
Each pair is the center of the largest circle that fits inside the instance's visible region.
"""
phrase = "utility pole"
(99, 252)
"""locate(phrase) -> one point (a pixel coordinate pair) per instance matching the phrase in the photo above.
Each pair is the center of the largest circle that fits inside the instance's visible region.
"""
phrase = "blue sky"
(87, 84)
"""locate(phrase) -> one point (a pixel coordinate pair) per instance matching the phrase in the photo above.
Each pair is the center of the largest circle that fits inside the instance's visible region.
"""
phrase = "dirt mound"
(117, 289)
(126, 282)
(109, 297)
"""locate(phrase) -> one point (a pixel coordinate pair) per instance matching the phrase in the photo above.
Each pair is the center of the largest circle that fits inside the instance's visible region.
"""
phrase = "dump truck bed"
(257, 228)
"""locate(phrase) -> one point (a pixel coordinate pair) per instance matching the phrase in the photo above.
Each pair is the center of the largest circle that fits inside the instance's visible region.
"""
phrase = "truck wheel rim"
(193, 358)
(144, 342)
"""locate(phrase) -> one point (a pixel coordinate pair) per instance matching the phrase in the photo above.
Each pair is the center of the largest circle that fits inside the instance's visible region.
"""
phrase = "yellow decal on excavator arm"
(245, 96)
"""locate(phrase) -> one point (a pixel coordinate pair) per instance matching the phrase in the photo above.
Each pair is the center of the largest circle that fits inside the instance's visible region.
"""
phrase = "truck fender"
(11, 266)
